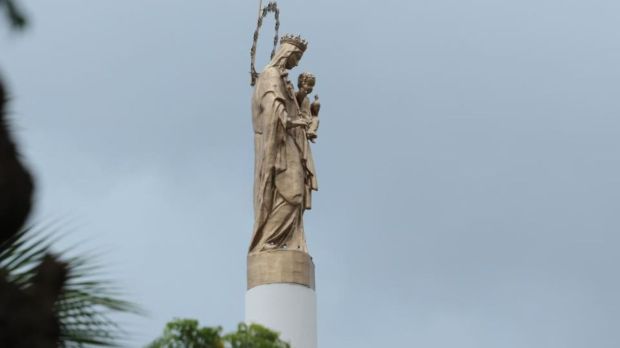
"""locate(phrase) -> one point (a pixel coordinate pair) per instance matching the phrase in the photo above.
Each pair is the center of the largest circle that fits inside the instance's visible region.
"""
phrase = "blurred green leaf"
(16, 17)
(86, 302)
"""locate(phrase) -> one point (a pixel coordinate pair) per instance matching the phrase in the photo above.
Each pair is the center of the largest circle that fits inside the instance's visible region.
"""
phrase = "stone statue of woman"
(283, 171)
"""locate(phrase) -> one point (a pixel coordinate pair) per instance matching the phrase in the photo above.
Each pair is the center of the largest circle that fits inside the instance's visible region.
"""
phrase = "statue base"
(281, 295)
(280, 266)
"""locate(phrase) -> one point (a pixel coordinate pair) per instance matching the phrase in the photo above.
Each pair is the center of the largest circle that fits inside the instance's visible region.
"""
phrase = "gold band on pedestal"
(280, 266)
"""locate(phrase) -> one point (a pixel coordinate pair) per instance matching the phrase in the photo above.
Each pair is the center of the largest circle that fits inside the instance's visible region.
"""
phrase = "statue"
(284, 174)
(306, 82)
(315, 107)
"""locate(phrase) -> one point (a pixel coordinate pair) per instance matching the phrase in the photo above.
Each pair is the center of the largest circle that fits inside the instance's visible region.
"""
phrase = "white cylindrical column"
(289, 309)
(281, 295)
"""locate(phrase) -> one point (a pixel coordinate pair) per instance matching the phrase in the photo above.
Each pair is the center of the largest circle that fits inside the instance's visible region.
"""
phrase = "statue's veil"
(285, 51)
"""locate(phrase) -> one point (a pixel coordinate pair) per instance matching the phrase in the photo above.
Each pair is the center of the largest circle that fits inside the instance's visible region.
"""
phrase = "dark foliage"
(14, 14)
(77, 314)
(27, 315)
(16, 184)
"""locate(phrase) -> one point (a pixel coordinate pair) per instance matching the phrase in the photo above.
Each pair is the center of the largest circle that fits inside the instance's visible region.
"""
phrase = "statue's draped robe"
(311, 182)
(282, 175)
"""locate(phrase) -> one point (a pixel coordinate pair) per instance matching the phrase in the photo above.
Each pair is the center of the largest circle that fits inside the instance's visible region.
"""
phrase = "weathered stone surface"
(281, 266)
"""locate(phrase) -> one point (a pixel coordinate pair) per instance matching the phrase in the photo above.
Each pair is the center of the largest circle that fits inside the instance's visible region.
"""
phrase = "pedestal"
(281, 295)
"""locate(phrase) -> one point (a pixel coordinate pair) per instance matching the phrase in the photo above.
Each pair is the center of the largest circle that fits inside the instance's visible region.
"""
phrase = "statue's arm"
(271, 101)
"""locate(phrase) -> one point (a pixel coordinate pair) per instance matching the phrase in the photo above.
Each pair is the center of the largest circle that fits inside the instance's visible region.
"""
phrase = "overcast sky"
(468, 161)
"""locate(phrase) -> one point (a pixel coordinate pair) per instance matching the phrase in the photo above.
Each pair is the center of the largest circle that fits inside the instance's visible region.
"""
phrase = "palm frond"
(87, 299)
(16, 17)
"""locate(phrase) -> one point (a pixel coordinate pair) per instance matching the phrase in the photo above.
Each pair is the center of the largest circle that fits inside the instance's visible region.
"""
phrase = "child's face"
(307, 85)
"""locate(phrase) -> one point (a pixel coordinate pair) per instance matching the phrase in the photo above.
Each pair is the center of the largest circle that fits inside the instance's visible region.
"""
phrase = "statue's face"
(307, 85)
(293, 60)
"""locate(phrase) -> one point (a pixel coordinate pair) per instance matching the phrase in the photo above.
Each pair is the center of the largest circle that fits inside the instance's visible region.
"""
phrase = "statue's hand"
(300, 122)
(311, 136)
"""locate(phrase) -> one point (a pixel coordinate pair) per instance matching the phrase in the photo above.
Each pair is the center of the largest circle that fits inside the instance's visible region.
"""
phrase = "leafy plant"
(17, 19)
(86, 300)
(186, 333)
(254, 336)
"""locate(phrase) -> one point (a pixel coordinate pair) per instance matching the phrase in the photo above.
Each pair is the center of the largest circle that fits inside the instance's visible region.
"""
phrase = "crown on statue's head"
(295, 40)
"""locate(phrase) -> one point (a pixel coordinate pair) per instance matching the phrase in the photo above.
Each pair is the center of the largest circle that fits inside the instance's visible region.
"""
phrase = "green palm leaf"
(87, 300)
(16, 17)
